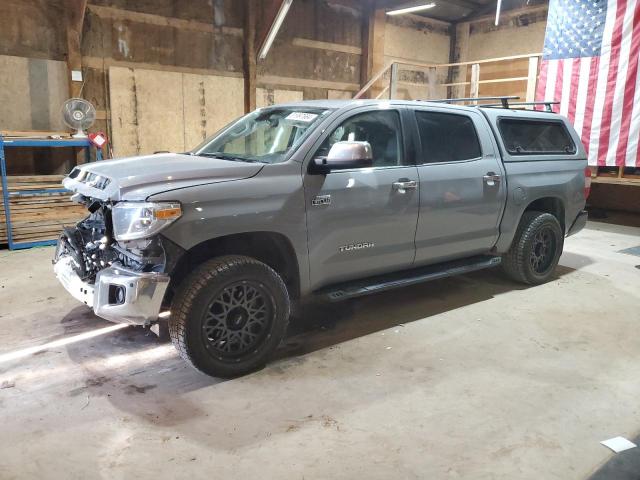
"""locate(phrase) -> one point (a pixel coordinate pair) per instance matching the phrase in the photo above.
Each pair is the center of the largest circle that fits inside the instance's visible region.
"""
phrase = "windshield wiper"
(226, 156)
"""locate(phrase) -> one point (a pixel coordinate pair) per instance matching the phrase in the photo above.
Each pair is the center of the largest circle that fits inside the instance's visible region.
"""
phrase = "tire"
(229, 315)
(536, 249)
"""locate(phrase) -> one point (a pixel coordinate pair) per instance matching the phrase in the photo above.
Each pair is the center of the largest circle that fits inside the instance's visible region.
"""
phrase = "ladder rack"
(504, 102)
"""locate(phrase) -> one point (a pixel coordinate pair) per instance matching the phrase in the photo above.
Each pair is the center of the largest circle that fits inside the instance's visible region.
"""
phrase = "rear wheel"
(535, 250)
(229, 315)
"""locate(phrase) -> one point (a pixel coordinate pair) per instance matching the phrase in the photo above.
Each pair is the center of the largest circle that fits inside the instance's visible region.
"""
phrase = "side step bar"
(405, 278)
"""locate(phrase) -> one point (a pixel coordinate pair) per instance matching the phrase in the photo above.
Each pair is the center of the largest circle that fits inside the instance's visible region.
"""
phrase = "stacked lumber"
(40, 216)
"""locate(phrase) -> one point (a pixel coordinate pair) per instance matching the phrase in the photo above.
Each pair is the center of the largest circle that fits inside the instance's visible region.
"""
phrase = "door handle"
(401, 186)
(492, 178)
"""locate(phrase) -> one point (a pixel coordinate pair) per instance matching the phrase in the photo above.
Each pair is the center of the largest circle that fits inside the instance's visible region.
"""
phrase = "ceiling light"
(273, 31)
(417, 8)
(498, 7)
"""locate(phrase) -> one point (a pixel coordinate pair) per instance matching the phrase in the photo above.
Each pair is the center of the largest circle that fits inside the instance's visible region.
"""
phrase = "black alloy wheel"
(238, 319)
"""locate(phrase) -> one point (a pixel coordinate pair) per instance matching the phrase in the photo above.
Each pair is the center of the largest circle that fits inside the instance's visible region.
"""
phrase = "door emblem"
(321, 200)
(356, 246)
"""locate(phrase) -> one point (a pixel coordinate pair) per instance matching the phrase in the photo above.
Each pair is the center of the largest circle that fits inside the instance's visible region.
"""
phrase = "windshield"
(266, 135)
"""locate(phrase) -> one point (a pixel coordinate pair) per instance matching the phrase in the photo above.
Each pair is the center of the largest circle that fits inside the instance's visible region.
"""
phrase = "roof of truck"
(352, 103)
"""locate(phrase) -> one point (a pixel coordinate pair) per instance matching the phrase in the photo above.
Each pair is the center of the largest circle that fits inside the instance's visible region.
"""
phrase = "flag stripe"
(610, 87)
(590, 105)
(625, 88)
(573, 92)
(582, 95)
(542, 83)
(633, 152)
(557, 94)
(567, 68)
(601, 85)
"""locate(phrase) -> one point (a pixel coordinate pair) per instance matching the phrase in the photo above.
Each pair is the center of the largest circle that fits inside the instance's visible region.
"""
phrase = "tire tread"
(191, 287)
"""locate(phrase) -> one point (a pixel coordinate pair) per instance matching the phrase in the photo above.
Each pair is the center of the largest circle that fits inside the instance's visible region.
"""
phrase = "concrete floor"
(472, 377)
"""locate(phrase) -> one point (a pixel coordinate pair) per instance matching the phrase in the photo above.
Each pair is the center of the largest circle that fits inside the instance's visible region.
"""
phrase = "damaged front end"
(116, 266)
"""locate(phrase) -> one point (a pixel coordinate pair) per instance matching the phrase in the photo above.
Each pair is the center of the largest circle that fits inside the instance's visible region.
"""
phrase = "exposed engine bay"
(92, 246)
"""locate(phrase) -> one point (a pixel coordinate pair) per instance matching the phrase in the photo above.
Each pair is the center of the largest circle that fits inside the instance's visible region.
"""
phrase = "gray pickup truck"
(320, 198)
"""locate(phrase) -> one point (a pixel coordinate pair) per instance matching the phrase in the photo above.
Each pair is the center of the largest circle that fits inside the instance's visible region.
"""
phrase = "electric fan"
(79, 115)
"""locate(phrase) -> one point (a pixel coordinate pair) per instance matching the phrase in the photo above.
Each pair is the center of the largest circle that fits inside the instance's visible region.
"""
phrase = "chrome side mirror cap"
(344, 156)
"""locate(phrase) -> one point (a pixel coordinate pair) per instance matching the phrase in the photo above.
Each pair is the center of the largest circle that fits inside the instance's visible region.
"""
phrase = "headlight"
(135, 220)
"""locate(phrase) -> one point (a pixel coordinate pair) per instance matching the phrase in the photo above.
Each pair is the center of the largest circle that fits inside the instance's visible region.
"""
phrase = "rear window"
(530, 137)
(447, 137)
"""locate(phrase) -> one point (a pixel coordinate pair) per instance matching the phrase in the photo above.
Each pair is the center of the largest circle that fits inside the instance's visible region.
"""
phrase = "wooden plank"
(516, 12)
(160, 120)
(458, 73)
(306, 82)
(504, 80)
(34, 134)
(75, 11)
(100, 63)
(113, 13)
(532, 79)
(38, 216)
(269, 96)
(332, 47)
(475, 81)
(615, 180)
(249, 52)
(209, 103)
(153, 111)
(124, 112)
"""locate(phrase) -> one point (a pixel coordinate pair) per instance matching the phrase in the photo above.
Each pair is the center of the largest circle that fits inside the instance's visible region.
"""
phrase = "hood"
(136, 178)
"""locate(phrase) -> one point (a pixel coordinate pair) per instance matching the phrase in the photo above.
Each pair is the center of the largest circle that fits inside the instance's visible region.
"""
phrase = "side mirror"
(343, 156)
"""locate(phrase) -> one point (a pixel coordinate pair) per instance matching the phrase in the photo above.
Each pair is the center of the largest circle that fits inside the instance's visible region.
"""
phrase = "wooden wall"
(317, 54)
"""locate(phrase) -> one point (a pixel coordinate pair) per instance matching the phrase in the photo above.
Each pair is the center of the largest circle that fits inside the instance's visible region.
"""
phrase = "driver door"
(361, 222)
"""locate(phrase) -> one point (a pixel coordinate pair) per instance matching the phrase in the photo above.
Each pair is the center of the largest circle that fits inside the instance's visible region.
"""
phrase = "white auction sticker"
(302, 117)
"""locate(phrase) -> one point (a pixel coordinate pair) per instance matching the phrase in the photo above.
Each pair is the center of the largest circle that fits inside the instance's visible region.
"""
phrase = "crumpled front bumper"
(118, 294)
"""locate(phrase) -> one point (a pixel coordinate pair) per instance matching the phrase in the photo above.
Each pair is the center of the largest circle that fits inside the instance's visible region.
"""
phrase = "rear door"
(363, 221)
(462, 184)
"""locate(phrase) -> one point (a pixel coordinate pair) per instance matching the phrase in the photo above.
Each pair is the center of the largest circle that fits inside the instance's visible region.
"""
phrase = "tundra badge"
(356, 246)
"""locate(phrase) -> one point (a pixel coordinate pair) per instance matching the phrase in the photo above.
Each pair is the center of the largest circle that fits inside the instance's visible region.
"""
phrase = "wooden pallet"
(615, 175)
(41, 216)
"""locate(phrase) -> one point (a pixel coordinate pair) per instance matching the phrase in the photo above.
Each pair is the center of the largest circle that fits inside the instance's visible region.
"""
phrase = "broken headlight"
(135, 220)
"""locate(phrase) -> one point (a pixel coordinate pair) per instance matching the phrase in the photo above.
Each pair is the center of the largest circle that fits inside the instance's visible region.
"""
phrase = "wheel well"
(271, 248)
(551, 205)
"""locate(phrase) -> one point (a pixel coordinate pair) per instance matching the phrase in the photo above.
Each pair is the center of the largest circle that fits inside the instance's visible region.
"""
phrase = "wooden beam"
(331, 47)
(366, 65)
(113, 13)
(460, 54)
(100, 63)
(484, 16)
(75, 12)
(306, 82)
(250, 70)
(531, 79)
(475, 81)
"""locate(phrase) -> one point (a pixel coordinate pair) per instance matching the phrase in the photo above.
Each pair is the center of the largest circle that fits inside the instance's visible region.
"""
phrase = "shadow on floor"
(622, 466)
(144, 377)
(318, 325)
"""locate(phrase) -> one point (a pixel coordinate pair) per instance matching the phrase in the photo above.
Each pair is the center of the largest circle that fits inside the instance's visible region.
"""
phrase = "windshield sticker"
(302, 117)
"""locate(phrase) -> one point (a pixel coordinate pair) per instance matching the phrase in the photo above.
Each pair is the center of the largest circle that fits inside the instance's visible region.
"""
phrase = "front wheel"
(229, 315)
(536, 249)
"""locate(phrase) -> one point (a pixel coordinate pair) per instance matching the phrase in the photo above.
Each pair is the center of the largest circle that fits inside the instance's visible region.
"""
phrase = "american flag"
(590, 65)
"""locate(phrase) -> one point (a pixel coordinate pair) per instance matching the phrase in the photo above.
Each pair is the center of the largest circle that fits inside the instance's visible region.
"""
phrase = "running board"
(405, 278)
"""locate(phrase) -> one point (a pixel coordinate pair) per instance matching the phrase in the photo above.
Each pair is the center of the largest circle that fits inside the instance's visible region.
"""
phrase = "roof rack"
(547, 105)
(504, 101)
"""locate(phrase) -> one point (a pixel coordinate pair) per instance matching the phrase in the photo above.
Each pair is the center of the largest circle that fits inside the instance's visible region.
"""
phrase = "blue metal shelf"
(6, 195)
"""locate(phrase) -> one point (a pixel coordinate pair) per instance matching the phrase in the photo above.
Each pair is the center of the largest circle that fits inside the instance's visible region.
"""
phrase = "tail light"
(587, 182)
